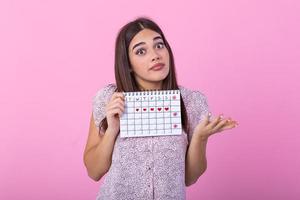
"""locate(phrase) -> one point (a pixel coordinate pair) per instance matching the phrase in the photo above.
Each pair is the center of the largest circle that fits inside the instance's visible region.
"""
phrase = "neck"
(150, 86)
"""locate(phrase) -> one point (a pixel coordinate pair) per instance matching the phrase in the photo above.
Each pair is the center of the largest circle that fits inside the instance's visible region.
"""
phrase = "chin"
(159, 78)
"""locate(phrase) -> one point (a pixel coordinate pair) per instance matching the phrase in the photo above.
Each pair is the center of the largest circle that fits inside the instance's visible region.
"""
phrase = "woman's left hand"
(207, 128)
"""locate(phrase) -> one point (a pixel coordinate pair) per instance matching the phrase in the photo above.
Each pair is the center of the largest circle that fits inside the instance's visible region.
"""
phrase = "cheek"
(134, 61)
(167, 60)
(139, 65)
(166, 55)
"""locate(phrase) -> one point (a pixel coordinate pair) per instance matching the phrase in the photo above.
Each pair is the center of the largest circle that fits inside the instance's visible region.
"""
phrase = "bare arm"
(196, 162)
(98, 151)
(99, 147)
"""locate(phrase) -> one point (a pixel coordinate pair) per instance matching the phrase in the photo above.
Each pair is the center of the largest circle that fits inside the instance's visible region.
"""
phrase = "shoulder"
(108, 88)
(100, 100)
(190, 96)
(196, 106)
(195, 102)
(104, 92)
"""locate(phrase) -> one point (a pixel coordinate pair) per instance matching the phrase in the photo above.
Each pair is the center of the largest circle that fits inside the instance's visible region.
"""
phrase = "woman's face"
(149, 59)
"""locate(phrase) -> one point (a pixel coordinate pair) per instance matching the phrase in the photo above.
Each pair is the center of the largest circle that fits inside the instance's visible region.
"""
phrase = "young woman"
(155, 167)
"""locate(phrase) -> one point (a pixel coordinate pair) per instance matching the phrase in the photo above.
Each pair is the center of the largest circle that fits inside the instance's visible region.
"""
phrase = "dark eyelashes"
(161, 43)
(142, 49)
(139, 50)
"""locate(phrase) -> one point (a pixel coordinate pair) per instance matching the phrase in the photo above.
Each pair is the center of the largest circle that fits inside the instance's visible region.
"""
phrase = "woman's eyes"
(161, 44)
(141, 51)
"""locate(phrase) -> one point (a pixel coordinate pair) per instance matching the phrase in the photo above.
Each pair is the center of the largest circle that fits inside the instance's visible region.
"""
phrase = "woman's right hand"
(114, 110)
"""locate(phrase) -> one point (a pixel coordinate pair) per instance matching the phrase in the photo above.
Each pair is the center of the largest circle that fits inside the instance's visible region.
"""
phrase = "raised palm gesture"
(209, 127)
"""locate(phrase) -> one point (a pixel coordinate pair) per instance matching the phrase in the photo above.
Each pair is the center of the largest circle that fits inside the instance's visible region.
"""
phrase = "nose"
(155, 56)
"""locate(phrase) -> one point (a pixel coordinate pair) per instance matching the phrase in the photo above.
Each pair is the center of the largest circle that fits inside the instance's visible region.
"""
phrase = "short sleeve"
(99, 101)
(197, 109)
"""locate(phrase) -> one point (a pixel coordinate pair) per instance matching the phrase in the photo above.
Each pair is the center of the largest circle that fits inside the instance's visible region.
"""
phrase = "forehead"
(144, 36)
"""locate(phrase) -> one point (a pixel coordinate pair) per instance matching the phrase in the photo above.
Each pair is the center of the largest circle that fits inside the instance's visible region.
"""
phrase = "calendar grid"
(151, 113)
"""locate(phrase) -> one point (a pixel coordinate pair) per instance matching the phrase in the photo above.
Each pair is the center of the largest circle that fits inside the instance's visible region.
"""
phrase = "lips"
(157, 66)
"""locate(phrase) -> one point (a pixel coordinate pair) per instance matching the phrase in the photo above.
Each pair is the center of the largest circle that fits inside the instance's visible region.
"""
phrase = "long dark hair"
(124, 79)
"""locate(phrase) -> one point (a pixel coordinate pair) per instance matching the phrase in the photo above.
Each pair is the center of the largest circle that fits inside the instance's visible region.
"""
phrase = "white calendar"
(151, 113)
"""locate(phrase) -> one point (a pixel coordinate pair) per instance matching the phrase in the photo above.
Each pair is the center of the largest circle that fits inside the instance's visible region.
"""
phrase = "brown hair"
(124, 79)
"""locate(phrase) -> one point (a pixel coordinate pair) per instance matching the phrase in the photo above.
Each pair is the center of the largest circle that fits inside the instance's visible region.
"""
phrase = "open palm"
(209, 127)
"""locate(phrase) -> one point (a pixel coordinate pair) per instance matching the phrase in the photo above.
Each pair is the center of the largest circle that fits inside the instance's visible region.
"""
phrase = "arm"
(98, 151)
(196, 163)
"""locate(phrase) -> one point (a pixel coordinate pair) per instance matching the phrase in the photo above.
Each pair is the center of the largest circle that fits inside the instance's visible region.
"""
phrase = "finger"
(117, 105)
(214, 122)
(231, 122)
(226, 127)
(206, 119)
(118, 101)
(229, 125)
(115, 111)
(115, 102)
(218, 127)
(117, 95)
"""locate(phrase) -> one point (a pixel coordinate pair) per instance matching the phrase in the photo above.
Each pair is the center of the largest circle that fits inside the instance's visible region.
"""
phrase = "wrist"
(111, 132)
(201, 138)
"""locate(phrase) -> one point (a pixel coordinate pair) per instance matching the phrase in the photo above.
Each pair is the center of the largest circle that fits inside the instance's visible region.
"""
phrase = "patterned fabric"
(145, 168)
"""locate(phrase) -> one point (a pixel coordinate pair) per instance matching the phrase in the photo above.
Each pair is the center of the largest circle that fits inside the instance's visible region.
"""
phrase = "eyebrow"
(140, 43)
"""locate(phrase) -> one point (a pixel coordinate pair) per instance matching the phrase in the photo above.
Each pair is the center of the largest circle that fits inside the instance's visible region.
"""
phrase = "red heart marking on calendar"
(175, 114)
(166, 108)
(159, 109)
(152, 109)
(144, 109)
(137, 110)
(174, 97)
(175, 126)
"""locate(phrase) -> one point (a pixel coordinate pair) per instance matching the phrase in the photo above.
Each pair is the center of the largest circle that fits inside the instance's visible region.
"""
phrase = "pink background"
(243, 55)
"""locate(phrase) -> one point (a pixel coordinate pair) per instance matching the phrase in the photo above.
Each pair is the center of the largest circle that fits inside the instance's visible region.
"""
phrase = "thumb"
(206, 119)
